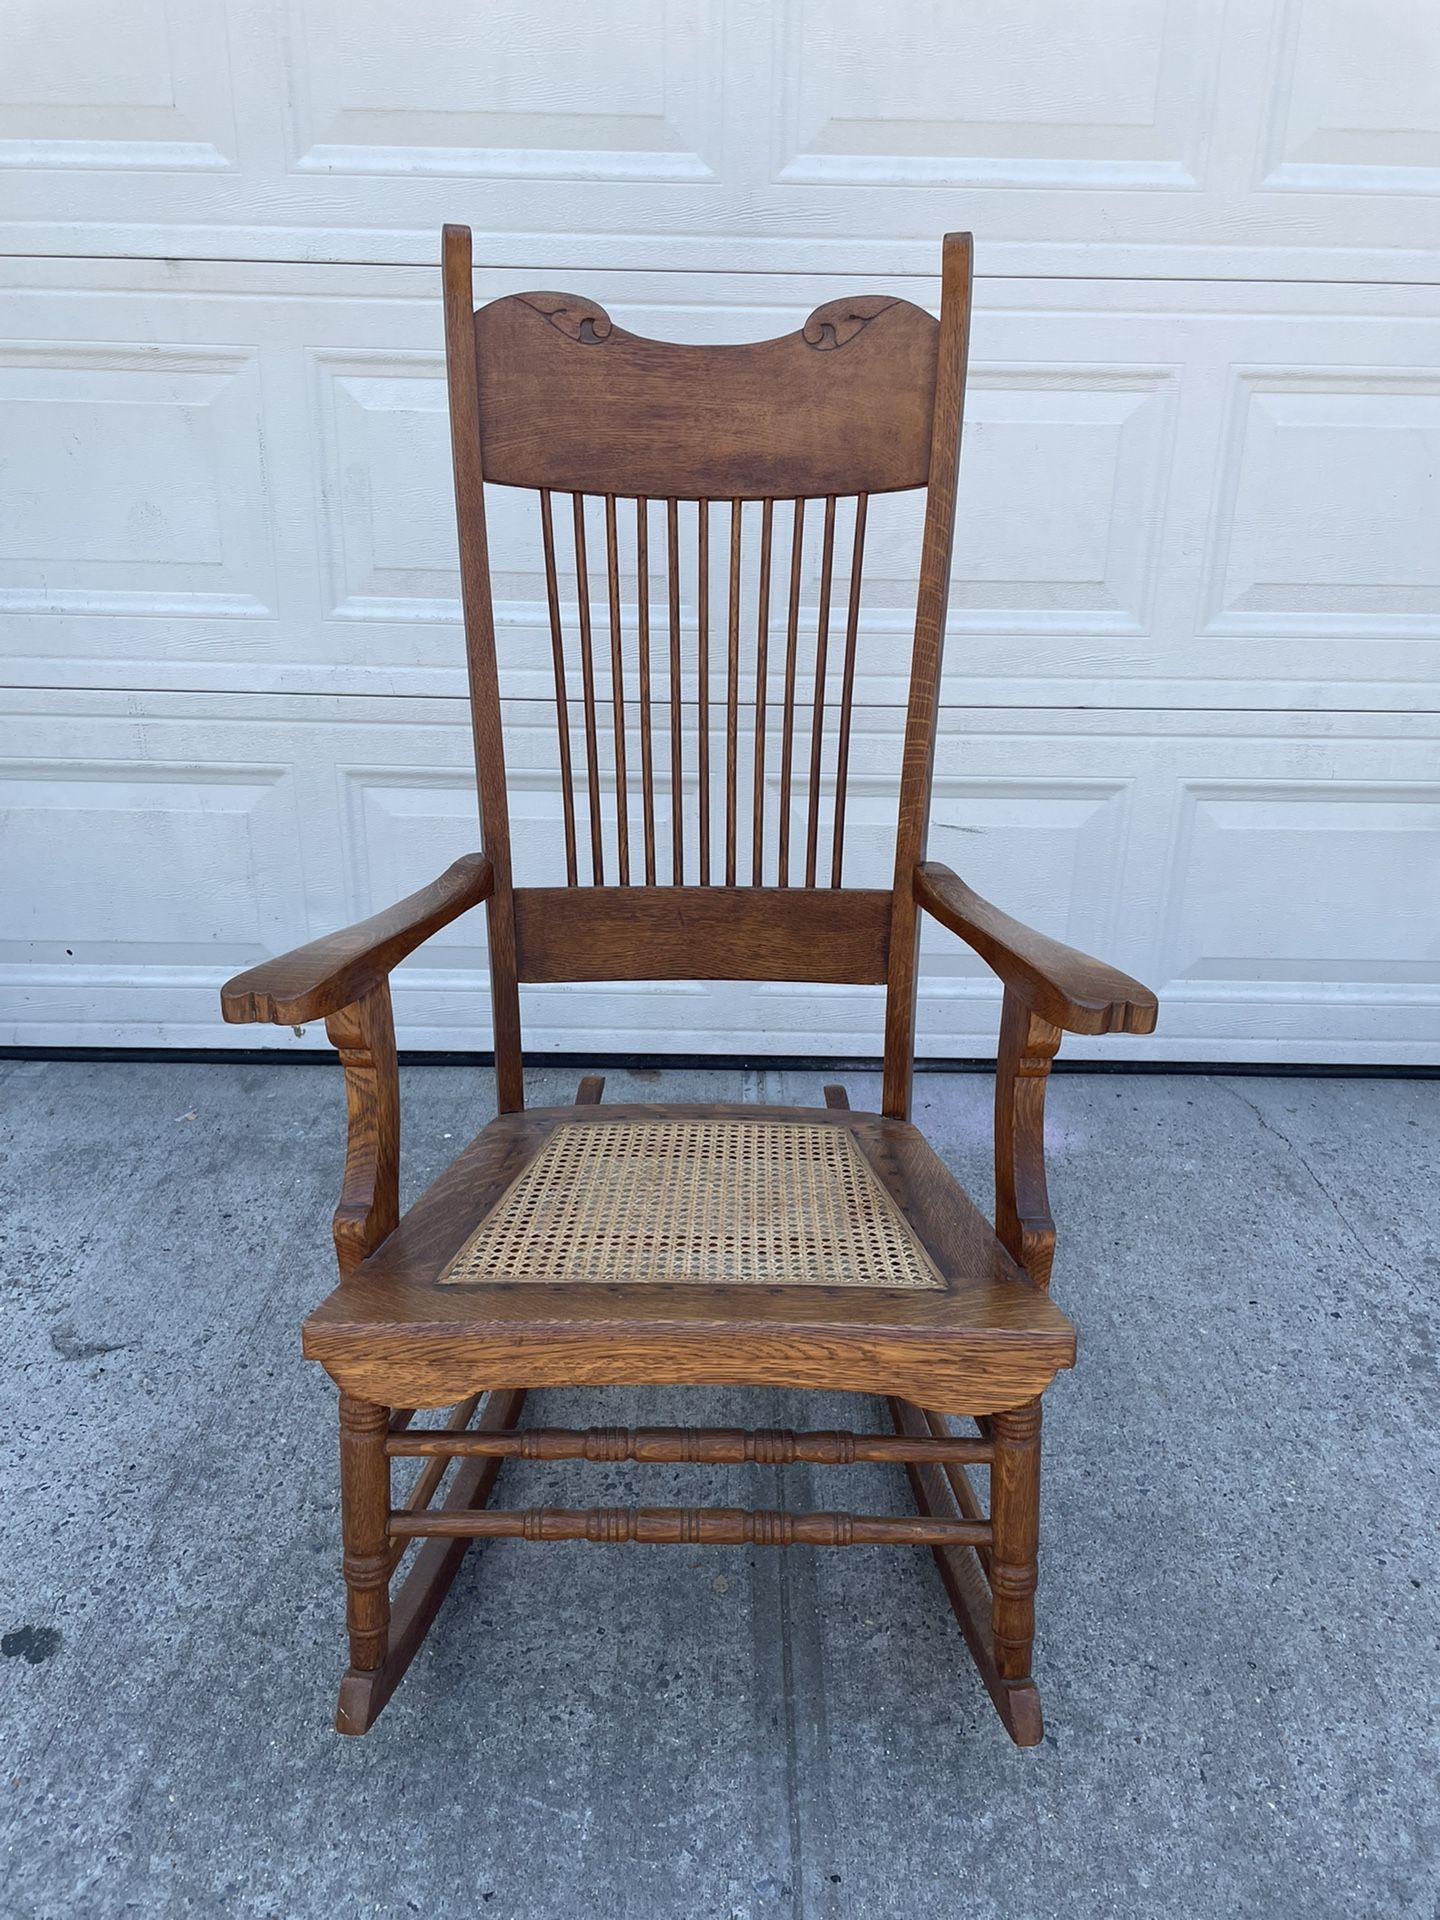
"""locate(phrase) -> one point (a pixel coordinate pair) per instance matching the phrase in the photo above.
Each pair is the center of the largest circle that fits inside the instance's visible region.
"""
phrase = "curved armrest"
(1063, 986)
(317, 980)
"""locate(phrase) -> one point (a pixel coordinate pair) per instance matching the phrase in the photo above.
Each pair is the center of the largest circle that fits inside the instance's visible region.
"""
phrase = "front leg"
(369, 1209)
(1022, 1206)
(1015, 1519)
(364, 1519)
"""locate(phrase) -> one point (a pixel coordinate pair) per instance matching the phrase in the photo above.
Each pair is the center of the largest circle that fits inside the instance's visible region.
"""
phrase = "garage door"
(1192, 686)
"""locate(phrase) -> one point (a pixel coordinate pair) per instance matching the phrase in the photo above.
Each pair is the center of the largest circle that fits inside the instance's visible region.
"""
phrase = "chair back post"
(918, 762)
(479, 614)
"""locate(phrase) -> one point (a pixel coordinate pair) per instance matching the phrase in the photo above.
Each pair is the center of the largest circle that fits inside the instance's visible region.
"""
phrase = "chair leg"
(945, 1493)
(1015, 1517)
(364, 1515)
(398, 1631)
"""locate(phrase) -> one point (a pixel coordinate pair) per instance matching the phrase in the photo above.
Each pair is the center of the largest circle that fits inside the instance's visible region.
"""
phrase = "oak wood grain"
(847, 690)
(482, 666)
(817, 704)
(917, 763)
(710, 1446)
(364, 1036)
(987, 1339)
(364, 1512)
(1022, 1204)
(701, 933)
(617, 688)
(762, 689)
(963, 1573)
(1061, 984)
(841, 406)
(647, 697)
(320, 978)
(1015, 1519)
(587, 688)
(691, 1526)
(562, 695)
(547, 393)
(364, 1692)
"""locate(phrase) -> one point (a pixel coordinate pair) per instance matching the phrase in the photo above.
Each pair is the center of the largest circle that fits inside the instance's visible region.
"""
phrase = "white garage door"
(1192, 680)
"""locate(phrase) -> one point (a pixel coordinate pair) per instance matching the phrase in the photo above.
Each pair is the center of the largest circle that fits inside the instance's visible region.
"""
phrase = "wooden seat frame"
(547, 393)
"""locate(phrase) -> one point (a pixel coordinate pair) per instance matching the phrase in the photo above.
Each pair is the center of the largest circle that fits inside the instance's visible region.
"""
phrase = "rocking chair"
(696, 1245)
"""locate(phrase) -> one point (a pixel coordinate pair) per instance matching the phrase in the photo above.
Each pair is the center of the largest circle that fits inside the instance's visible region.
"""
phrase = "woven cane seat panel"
(696, 1202)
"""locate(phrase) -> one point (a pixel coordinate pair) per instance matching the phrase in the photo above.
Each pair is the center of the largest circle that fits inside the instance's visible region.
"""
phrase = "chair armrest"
(317, 980)
(1063, 986)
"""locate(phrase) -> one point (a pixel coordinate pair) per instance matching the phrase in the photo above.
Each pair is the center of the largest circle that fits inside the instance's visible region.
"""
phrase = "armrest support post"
(364, 1035)
(1050, 990)
(344, 979)
(1023, 1224)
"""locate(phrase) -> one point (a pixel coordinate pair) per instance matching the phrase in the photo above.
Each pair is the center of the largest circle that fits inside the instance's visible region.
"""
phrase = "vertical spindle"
(787, 723)
(562, 708)
(642, 615)
(847, 687)
(702, 668)
(762, 667)
(587, 674)
(817, 704)
(677, 781)
(732, 701)
(617, 691)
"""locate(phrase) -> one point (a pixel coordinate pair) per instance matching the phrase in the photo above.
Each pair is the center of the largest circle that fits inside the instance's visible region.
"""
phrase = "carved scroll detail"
(838, 322)
(572, 314)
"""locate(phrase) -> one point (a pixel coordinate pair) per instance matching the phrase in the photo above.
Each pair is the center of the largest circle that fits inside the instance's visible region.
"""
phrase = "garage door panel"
(576, 112)
(115, 90)
(202, 857)
(1355, 100)
(1329, 497)
(1065, 470)
(1116, 95)
(383, 439)
(1262, 877)
(1285, 138)
(155, 451)
(401, 826)
(1213, 530)
(1347, 857)
(1054, 850)
(1190, 696)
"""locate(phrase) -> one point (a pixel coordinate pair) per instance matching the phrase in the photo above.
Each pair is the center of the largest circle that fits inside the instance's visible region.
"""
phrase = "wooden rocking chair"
(705, 1245)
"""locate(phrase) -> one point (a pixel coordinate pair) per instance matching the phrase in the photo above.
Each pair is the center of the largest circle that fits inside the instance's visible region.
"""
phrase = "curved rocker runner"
(703, 709)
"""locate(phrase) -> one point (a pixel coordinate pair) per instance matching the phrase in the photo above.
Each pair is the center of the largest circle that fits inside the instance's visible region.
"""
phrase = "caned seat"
(755, 1245)
(701, 516)
(702, 1199)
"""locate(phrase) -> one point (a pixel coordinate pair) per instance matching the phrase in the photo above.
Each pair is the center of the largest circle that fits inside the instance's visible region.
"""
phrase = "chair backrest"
(703, 714)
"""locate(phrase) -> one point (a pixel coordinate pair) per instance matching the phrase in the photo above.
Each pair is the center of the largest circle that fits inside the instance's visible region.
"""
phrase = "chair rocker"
(696, 1245)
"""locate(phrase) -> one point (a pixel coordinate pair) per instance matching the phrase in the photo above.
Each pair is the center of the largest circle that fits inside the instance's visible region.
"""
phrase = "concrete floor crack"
(1369, 1252)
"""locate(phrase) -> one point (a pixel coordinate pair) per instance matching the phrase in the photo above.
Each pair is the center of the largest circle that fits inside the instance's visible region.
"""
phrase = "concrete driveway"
(1238, 1618)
